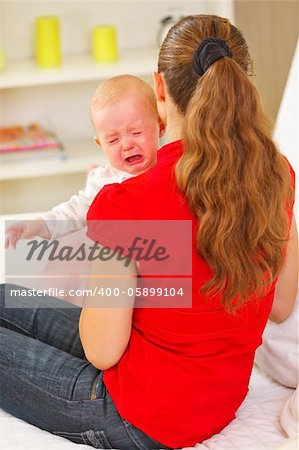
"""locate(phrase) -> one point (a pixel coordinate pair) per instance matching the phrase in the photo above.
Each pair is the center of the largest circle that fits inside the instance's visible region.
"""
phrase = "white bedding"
(256, 426)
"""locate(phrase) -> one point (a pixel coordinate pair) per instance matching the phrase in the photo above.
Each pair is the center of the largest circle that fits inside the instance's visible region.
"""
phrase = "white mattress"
(256, 426)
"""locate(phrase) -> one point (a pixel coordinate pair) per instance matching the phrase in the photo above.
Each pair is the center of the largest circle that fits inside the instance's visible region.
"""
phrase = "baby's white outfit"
(72, 214)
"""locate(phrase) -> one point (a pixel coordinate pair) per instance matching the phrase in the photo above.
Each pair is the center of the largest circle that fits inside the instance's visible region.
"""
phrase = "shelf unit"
(76, 158)
(61, 96)
(77, 68)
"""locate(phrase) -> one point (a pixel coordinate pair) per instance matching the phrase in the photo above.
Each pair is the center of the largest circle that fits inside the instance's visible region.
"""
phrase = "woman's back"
(185, 369)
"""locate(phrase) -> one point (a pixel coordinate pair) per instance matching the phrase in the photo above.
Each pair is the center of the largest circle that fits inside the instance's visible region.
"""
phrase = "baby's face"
(128, 131)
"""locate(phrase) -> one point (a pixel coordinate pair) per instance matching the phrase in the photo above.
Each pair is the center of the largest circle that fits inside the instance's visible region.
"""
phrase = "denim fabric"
(46, 380)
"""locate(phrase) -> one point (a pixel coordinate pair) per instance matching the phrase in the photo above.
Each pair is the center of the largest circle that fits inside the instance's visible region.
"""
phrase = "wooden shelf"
(77, 68)
(78, 156)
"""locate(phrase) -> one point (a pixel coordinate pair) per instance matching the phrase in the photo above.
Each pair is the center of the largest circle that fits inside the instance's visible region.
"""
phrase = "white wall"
(287, 124)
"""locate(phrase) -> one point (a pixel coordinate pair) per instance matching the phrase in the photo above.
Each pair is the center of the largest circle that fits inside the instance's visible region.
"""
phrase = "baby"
(124, 115)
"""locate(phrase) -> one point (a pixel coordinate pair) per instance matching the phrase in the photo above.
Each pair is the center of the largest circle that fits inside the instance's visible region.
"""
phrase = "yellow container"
(47, 39)
(104, 43)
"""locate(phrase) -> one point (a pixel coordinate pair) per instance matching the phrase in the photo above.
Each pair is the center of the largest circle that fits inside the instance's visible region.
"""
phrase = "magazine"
(26, 142)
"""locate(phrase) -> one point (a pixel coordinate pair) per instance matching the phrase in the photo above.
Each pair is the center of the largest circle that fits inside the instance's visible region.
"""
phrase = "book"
(27, 142)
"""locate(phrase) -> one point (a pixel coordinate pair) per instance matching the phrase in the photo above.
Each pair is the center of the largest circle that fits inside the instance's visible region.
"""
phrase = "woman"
(171, 377)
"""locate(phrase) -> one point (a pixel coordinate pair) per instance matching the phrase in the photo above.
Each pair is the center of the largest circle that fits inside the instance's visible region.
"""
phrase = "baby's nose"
(128, 144)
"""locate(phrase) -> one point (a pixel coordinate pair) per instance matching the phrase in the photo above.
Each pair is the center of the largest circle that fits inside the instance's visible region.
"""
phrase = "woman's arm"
(287, 283)
(105, 331)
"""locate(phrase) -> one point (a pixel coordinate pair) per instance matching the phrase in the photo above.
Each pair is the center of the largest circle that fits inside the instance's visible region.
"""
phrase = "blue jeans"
(47, 381)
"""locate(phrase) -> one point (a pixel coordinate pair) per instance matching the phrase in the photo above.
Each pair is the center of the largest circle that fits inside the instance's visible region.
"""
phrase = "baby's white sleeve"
(70, 216)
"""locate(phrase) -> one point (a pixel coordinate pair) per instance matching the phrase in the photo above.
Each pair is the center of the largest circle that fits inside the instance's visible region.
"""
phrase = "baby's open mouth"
(136, 159)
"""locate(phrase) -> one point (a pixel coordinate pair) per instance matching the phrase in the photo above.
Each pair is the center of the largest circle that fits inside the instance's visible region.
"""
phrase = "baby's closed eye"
(112, 140)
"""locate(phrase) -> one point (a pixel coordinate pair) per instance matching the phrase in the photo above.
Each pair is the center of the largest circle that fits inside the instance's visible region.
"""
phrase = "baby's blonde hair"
(117, 87)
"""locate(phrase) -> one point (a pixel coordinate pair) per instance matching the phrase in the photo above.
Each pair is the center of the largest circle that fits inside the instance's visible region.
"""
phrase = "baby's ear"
(162, 127)
(96, 139)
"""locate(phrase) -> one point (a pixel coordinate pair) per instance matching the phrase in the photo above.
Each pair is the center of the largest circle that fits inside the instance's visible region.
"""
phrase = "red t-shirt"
(185, 371)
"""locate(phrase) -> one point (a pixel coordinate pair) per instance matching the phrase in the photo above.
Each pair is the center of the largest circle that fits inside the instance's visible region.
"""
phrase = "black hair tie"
(209, 50)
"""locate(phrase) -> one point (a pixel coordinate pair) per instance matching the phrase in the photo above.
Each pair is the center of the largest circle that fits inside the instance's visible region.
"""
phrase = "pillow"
(278, 356)
(289, 417)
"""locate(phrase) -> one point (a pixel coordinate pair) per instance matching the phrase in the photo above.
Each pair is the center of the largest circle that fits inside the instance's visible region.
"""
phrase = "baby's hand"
(25, 230)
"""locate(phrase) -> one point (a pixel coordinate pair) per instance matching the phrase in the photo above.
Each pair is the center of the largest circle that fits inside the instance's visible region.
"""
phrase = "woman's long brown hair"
(236, 181)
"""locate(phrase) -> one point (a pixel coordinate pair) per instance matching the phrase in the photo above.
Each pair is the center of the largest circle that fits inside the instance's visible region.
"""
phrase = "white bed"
(256, 427)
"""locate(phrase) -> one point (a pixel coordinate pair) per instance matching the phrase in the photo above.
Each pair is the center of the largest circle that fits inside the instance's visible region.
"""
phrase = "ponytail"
(236, 183)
